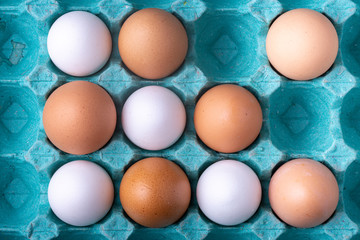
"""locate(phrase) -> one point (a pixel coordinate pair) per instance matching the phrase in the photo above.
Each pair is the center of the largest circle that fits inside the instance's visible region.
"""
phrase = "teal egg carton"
(318, 119)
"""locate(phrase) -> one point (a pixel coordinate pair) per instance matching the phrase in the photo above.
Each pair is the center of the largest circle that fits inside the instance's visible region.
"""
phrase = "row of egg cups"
(301, 44)
(155, 192)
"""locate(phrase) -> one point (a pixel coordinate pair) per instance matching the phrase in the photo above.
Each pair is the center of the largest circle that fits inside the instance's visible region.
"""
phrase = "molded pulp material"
(318, 119)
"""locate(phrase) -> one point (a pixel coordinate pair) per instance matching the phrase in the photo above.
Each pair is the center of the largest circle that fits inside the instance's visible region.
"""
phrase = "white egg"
(80, 193)
(153, 118)
(79, 43)
(228, 192)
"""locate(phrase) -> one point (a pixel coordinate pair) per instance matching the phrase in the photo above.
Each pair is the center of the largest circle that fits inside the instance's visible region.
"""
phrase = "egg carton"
(318, 119)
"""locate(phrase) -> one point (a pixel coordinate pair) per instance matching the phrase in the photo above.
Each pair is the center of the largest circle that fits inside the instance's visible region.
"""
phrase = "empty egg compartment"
(22, 198)
(350, 44)
(300, 119)
(227, 43)
(351, 196)
(19, 118)
(349, 118)
(20, 190)
(19, 49)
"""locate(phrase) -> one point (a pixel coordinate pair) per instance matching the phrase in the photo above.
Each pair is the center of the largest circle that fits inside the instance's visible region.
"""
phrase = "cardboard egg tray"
(318, 119)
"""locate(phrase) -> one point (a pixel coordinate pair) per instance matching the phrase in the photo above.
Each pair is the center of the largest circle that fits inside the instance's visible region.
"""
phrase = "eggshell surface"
(302, 44)
(153, 117)
(303, 193)
(152, 43)
(228, 118)
(79, 43)
(155, 192)
(79, 117)
(80, 193)
(228, 192)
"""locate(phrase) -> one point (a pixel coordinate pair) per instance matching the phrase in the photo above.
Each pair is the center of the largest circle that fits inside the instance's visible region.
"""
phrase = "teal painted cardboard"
(318, 119)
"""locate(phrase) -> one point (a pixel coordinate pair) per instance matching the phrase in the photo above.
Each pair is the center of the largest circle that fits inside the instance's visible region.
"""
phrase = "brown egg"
(228, 118)
(155, 192)
(302, 44)
(303, 193)
(79, 117)
(152, 43)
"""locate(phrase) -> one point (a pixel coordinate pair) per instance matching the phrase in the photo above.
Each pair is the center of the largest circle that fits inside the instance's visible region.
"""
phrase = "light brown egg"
(228, 118)
(155, 192)
(302, 44)
(303, 193)
(152, 43)
(79, 117)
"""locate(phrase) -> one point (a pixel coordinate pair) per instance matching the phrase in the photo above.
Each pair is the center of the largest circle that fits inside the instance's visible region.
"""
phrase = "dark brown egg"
(155, 192)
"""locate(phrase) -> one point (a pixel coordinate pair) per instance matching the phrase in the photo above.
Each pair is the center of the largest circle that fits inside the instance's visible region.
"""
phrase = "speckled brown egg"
(79, 117)
(152, 43)
(155, 192)
(303, 193)
(228, 118)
